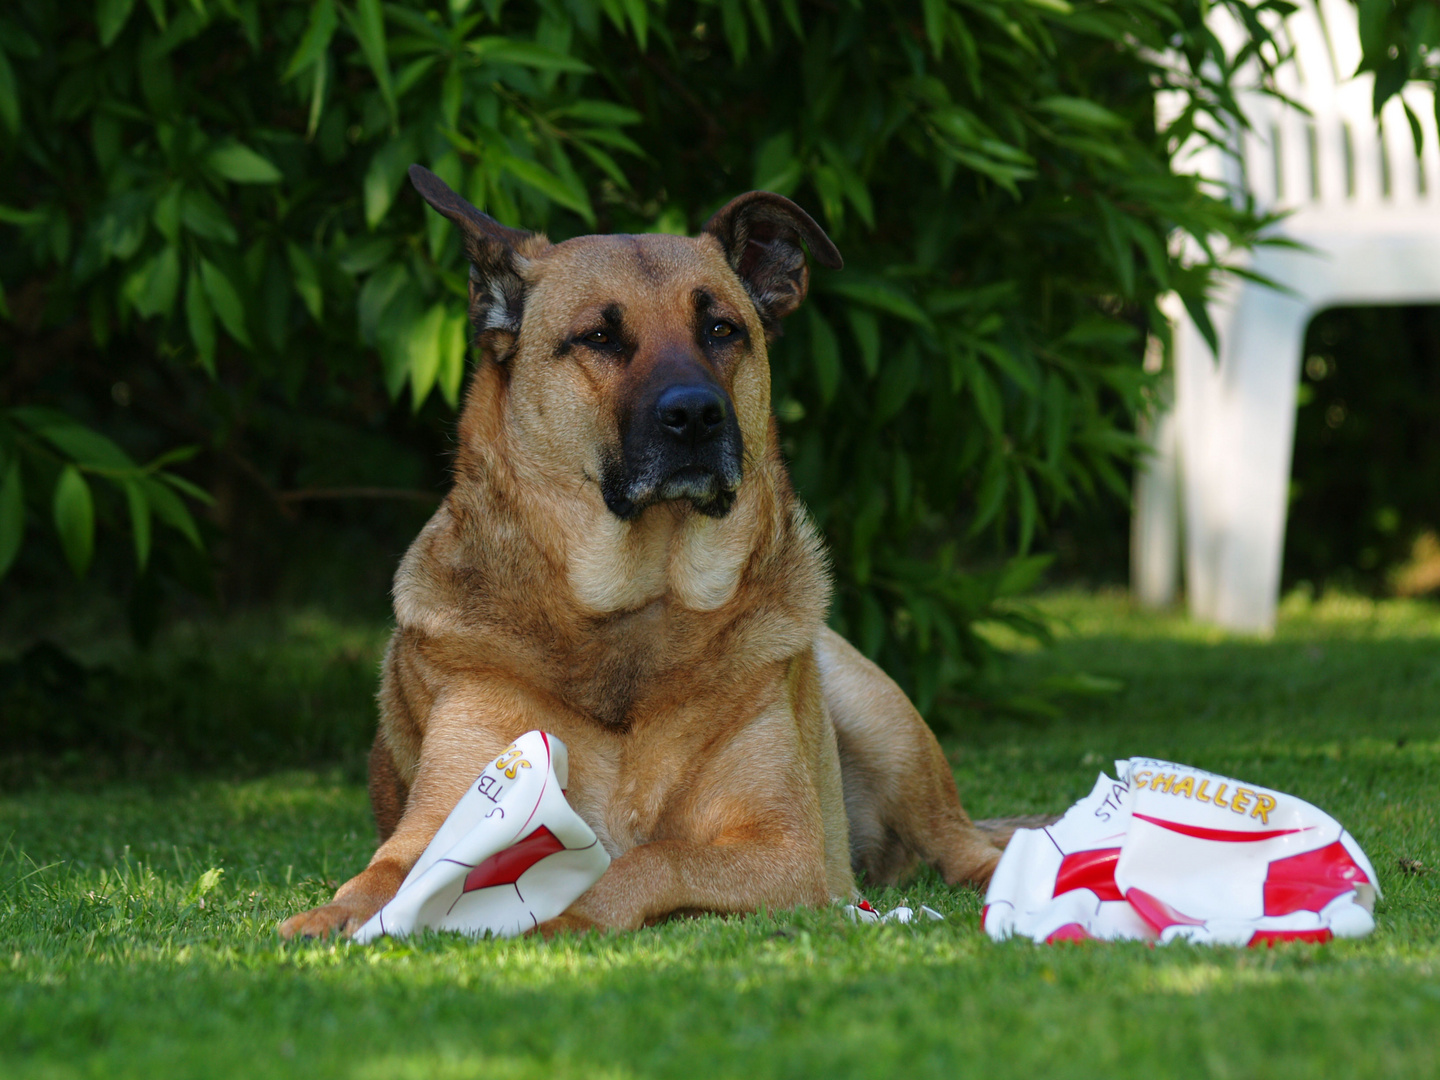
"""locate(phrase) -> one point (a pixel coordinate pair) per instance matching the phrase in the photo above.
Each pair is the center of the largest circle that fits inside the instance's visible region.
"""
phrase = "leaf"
(316, 40)
(384, 176)
(226, 301)
(317, 95)
(1083, 112)
(412, 73)
(935, 12)
(369, 26)
(423, 348)
(901, 484)
(867, 335)
(791, 10)
(732, 19)
(535, 175)
(1008, 363)
(881, 295)
(110, 18)
(640, 19)
(11, 215)
(826, 180)
(376, 296)
(825, 349)
(1029, 510)
(139, 521)
(503, 50)
(74, 439)
(865, 524)
(452, 357)
(171, 456)
(1417, 133)
(185, 487)
(205, 217)
(901, 377)
(1199, 311)
(851, 184)
(166, 214)
(236, 161)
(605, 162)
(12, 516)
(594, 111)
(1120, 254)
(159, 282)
(306, 279)
(1021, 574)
(9, 96)
(991, 495)
(777, 168)
(204, 884)
(75, 519)
(169, 509)
(987, 400)
(201, 321)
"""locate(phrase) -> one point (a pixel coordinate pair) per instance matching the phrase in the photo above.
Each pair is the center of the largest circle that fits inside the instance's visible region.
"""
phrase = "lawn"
(137, 916)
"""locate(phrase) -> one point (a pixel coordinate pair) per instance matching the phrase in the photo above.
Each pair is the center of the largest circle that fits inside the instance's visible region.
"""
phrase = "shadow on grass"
(252, 694)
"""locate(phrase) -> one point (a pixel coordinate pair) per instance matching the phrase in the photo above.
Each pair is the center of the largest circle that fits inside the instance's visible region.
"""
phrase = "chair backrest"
(1336, 160)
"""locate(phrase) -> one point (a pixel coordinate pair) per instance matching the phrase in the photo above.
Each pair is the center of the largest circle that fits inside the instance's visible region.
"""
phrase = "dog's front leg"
(456, 748)
(737, 873)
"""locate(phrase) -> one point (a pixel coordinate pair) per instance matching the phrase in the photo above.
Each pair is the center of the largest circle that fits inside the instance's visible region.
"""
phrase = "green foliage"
(213, 190)
(1400, 41)
(244, 695)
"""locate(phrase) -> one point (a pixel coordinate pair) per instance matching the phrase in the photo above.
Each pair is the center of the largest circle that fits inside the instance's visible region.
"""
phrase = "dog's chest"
(628, 798)
(616, 666)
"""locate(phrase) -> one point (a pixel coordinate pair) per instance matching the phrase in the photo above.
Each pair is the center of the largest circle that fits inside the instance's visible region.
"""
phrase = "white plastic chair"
(1369, 210)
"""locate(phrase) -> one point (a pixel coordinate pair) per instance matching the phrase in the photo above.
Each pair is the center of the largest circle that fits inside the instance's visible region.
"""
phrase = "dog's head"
(638, 362)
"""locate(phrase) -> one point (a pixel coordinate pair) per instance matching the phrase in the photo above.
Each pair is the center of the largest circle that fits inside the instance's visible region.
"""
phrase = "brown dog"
(622, 563)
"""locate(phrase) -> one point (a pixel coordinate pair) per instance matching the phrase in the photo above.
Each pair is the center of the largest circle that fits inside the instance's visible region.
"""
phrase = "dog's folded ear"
(497, 288)
(761, 233)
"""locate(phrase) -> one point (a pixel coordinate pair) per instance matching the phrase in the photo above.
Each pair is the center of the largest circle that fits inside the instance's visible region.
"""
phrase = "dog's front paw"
(566, 923)
(338, 916)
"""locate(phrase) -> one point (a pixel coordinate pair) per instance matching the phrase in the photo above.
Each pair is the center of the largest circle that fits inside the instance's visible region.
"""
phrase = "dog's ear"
(761, 233)
(497, 289)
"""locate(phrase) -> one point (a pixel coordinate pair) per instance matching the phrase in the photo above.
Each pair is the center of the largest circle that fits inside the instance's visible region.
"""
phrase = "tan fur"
(729, 751)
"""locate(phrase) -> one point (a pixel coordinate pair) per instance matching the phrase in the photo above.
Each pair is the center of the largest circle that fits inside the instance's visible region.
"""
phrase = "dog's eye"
(596, 337)
(721, 329)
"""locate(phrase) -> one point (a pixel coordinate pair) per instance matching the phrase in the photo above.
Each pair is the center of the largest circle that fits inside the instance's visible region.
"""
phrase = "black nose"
(692, 414)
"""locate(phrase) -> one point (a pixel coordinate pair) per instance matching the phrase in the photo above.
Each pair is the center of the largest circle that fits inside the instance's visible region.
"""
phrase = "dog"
(623, 563)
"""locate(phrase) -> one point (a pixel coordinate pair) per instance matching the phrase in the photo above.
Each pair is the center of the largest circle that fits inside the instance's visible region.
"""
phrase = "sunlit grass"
(137, 920)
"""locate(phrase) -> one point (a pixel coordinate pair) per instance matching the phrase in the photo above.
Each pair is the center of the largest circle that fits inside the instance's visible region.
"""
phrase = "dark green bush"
(207, 196)
(1400, 40)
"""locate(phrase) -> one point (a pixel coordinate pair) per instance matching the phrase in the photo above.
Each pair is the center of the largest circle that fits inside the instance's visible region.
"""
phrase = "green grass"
(121, 954)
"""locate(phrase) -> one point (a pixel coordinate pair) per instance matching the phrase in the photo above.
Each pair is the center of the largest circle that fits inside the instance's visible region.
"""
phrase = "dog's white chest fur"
(619, 566)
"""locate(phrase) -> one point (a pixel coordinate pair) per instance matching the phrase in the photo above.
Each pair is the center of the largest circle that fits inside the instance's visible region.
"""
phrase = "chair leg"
(1259, 377)
(1199, 432)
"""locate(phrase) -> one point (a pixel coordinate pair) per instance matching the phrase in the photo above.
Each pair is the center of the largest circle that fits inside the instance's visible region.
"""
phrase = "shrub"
(208, 194)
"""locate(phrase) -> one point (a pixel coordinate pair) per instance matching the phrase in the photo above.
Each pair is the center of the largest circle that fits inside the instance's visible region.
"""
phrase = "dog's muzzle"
(685, 444)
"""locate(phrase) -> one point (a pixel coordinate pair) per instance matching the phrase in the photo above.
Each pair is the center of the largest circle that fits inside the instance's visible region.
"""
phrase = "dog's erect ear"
(761, 234)
(497, 290)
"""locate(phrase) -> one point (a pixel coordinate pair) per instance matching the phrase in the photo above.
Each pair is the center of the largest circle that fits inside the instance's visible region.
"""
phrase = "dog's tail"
(999, 830)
